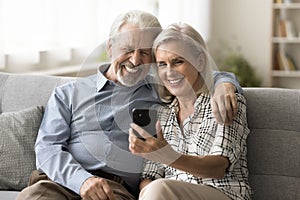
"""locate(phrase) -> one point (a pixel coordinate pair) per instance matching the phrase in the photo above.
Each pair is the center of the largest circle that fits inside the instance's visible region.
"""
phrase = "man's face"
(131, 54)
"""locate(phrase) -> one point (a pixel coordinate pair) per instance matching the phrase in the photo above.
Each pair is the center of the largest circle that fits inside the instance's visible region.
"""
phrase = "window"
(38, 34)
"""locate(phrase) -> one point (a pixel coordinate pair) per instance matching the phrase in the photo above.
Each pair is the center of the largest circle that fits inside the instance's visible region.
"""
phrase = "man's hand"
(224, 103)
(95, 188)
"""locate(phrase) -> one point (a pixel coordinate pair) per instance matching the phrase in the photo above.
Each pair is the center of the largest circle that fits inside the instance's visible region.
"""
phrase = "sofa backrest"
(23, 91)
(273, 118)
(274, 142)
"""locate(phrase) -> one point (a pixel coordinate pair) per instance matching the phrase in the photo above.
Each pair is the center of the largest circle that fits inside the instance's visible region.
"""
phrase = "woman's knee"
(157, 188)
(159, 184)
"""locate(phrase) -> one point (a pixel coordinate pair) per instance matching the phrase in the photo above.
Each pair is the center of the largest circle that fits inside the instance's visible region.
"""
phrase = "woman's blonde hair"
(195, 47)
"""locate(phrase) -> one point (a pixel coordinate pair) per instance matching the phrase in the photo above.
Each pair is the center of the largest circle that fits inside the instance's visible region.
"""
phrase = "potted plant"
(234, 62)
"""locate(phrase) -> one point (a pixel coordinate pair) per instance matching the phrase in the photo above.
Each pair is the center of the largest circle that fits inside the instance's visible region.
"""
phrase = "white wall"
(246, 24)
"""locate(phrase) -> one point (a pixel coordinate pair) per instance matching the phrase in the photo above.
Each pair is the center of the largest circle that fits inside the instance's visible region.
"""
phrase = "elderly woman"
(192, 157)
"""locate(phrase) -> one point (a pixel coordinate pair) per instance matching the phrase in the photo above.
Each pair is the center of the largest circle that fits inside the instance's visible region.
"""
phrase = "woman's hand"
(151, 148)
(148, 143)
(158, 150)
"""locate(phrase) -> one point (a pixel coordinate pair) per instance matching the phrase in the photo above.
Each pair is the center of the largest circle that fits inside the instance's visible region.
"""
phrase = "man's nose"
(136, 58)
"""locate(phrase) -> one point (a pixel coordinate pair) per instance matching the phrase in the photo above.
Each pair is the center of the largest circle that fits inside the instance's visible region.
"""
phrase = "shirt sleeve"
(152, 170)
(230, 141)
(52, 156)
(222, 77)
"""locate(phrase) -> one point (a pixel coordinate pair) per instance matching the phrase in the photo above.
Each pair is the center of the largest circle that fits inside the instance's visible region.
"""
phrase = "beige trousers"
(166, 189)
(42, 188)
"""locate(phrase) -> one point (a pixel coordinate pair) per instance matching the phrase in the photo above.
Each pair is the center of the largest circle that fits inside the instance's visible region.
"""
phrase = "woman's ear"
(109, 48)
(202, 61)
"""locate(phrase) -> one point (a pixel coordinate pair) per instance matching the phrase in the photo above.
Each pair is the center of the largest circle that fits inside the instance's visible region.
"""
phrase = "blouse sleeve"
(153, 170)
(230, 141)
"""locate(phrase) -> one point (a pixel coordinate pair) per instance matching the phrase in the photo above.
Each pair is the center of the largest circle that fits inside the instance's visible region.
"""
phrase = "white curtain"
(193, 12)
(38, 34)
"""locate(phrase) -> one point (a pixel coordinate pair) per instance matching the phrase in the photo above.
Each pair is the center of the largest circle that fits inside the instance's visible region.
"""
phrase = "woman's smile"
(175, 81)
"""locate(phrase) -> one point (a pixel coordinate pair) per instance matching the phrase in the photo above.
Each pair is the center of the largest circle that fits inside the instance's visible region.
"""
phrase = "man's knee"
(33, 192)
(46, 190)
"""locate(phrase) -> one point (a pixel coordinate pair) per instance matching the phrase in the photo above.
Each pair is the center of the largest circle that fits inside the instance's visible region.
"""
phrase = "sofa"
(273, 143)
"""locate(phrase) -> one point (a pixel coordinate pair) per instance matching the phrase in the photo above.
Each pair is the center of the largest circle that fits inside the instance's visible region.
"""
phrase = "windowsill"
(74, 70)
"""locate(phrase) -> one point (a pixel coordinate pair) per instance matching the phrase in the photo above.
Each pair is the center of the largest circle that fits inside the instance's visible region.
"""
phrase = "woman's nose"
(170, 69)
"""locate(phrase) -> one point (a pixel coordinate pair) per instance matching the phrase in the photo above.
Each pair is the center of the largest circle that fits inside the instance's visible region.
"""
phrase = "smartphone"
(145, 118)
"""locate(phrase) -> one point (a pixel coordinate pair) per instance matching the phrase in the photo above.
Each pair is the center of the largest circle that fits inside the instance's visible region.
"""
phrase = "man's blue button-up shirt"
(85, 127)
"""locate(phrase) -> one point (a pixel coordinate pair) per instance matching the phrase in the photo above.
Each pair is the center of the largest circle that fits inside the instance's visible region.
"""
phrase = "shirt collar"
(102, 80)
(203, 99)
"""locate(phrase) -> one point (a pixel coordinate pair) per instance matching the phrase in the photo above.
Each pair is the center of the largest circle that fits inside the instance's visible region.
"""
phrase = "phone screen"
(145, 118)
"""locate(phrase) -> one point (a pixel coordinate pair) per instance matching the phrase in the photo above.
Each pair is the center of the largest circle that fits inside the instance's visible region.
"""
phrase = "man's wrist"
(230, 86)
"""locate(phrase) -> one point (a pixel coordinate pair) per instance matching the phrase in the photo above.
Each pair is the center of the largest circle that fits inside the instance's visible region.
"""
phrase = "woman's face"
(178, 75)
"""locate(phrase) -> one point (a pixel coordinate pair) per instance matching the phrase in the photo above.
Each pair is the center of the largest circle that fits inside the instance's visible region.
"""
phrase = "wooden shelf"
(286, 5)
(285, 50)
(286, 40)
(281, 73)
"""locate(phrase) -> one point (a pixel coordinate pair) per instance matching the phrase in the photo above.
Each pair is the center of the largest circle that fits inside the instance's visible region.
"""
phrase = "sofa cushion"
(273, 143)
(18, 131)
(20, 91)
(9, 195)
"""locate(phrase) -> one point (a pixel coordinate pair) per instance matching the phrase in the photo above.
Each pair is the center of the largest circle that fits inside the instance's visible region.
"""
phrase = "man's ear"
(109, 48)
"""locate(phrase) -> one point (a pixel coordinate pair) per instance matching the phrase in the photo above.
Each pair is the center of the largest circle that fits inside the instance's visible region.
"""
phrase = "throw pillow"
(18, 131)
